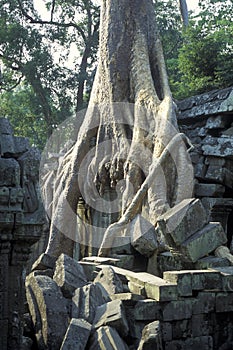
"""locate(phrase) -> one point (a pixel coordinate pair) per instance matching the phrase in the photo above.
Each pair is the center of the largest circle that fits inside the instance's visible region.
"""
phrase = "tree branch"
(52, 23)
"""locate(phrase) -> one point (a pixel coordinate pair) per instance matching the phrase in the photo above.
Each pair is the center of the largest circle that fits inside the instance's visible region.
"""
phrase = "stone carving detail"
(21, 221)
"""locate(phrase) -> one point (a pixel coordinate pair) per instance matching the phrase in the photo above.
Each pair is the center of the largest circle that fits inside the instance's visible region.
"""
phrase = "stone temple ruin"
(141, 296)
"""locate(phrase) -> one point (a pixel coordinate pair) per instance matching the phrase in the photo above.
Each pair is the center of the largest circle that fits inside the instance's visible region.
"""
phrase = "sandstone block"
(182, 279)
(224, 302)
(218, 146)
(211, 262)
(204, 241)
(87, 299)
(77, 335)
(106, 338)
(204, 303)
(201, 325)
(44, 261)
(121, 245)
(9, 172)
(181, 329)
(147, 309)
(48, 310)
(151, 337)
(112, 314)
(227, 277)
(143, 236)
(178, 310)
(181, 221)
(69, 275)
(209, 190)
(166, 329)
(203, 343)
(109, 280)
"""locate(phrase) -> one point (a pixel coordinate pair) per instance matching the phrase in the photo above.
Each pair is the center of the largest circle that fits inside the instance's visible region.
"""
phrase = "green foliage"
(205, 60)
(35, 52)
(20, 107)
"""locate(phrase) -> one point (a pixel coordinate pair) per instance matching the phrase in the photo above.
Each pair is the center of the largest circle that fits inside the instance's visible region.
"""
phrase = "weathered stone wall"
(21, 221)
(207, 119)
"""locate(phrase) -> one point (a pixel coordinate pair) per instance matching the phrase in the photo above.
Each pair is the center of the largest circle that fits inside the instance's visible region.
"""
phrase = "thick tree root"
(135, 205)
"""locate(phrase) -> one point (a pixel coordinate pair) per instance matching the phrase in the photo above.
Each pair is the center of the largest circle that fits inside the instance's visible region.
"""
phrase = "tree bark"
(131, 70)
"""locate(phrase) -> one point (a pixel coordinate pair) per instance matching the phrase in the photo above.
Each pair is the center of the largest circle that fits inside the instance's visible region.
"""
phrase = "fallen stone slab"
(106, 338)
(112, 314)
(121, 245)
(87, 299)
(44, 261)
(181, 221)
(211, 262)
(48, 311)
(109, 280)
(69, 275)
(151, 337)
(77, 335)
(155, 287)
(204, 241)
(143, 236)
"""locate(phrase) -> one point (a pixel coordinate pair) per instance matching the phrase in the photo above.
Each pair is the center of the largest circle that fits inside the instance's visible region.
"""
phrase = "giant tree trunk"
(128, 157)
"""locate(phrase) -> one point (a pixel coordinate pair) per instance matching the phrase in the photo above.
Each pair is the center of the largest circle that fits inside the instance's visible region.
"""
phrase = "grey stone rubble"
(182, 310)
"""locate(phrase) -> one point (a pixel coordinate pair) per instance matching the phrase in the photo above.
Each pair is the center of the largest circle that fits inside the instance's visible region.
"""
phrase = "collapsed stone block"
(121, 245)
(77, 335)
(48, 311)
(204, 241)
(69, 275)
(181, 221)
(44, 261)
(143, 236)
(211, 262)
(151, 337)
(109, 280)
(106, 338)
(87, 299)
(112, 314)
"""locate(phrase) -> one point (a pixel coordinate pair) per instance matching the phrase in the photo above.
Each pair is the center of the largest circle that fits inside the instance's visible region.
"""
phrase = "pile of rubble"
(121, 309)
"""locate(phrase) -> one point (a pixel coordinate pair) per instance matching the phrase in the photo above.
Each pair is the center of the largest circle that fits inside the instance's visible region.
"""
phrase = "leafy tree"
(206, 57)
(36, 50)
